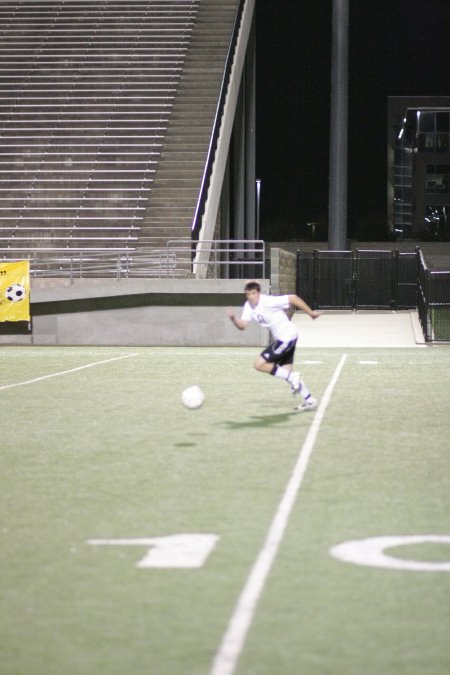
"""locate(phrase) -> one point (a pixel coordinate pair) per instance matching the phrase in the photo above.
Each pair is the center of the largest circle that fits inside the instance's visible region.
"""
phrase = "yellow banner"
(15, 291)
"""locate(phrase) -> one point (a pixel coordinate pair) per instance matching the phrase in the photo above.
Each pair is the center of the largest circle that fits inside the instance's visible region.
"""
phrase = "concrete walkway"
(360, 329)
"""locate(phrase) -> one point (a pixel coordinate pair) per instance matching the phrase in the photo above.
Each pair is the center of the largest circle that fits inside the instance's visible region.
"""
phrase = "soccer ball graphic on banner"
(15, 292)
(193, 397)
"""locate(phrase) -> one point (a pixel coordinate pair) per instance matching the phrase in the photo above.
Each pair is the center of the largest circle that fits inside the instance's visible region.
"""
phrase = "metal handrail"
(79, 264)
(228, 247)
(217, 122)
(173, 260)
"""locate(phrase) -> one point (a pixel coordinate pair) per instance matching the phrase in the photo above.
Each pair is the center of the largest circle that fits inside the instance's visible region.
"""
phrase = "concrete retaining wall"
(136, 312)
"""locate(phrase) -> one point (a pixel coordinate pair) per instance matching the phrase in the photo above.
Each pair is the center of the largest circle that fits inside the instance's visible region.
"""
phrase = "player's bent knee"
(259, 364)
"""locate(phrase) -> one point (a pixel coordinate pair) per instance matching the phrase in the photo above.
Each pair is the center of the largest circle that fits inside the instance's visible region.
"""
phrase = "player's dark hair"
(252, 286)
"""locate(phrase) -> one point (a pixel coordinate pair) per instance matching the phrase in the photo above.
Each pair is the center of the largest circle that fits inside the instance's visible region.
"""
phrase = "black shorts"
(281, 353)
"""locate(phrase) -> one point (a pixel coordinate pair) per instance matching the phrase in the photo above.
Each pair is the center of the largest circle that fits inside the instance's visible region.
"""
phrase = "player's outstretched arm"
(298, 303)
(242, 325)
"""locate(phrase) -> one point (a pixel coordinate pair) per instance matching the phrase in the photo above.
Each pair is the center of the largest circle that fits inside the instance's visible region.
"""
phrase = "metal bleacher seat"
(86, 93)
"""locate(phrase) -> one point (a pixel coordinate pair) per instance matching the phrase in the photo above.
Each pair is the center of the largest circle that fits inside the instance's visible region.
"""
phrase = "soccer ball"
(15, 292)
(192, 397)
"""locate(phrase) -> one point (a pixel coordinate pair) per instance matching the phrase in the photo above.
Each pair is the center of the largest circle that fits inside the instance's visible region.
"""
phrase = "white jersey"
(269, 312)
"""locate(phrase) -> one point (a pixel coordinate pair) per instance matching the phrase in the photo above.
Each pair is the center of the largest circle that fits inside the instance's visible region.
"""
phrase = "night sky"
(396, 48)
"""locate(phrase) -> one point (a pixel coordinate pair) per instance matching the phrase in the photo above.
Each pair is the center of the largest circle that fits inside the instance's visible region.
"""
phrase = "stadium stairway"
(178, 179)
(106, 111)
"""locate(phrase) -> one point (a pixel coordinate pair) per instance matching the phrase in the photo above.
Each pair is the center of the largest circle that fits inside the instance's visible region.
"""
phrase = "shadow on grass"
(260, 421)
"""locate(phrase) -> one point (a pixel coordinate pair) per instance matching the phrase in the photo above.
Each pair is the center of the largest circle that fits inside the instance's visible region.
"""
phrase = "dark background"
(396, 48)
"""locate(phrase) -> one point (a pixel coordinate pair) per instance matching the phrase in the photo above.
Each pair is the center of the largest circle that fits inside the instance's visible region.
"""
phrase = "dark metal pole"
(258, 201)
(337, 206)
(249, 81)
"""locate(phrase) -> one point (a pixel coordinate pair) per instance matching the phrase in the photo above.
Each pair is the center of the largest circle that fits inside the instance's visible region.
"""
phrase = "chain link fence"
(433, 302)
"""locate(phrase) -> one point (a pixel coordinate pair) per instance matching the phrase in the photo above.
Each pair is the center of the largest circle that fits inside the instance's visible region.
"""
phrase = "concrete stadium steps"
(86, 94)
(178, 178)
(105, 119)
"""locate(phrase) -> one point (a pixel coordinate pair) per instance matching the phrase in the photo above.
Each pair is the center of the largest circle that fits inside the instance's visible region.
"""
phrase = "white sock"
(304, 390)
(282, 372)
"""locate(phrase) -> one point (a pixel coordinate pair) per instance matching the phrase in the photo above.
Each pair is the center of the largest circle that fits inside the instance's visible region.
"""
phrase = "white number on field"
(177, 550)
(371, 552)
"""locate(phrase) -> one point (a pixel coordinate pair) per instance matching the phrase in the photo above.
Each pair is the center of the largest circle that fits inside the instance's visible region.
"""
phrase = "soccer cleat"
(310, 404)
(295, 382)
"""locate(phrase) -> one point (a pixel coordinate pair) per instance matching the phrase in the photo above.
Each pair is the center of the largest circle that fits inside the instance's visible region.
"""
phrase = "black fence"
(364, 279)
(357, 279)
(433, 302)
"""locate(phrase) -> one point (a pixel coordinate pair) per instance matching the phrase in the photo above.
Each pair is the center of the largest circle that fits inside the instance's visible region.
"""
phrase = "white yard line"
(64, 372)
(233, 641)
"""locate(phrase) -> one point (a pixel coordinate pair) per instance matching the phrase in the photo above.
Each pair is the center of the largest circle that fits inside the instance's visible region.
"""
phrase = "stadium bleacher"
(105, 115)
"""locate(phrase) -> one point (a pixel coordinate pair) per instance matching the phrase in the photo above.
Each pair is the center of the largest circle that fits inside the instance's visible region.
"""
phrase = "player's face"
(253, 296)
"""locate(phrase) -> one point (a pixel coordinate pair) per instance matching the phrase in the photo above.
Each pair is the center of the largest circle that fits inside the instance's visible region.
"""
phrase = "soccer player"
(278, 357)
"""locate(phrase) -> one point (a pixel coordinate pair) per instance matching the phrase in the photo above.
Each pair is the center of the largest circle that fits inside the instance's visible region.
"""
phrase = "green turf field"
(108, 452)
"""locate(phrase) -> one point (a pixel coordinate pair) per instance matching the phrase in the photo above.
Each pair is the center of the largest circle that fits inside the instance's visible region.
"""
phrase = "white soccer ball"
(193, 397)
(15, 292)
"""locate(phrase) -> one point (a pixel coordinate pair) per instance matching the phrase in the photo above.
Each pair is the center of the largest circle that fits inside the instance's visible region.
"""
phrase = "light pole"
(337, 211)
(258, 199)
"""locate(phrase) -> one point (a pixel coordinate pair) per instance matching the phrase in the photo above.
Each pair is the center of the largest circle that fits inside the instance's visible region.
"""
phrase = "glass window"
(442, 121)
(442, 142)
(437, 185)
(426, 142)
(437, 222)
(426, 121)
(437, 179)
